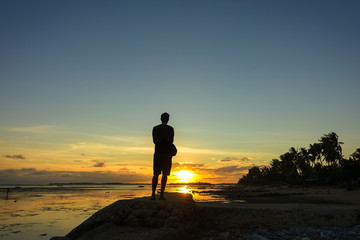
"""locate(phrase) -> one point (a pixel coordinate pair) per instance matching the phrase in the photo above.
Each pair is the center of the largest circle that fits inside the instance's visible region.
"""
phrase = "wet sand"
(280, 212)
(286, 194)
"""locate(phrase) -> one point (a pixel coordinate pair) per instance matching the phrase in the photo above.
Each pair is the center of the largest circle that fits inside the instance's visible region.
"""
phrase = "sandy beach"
(279, 212)
(271, 212)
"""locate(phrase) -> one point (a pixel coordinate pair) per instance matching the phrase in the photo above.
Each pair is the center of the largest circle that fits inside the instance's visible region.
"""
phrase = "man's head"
(165, 117)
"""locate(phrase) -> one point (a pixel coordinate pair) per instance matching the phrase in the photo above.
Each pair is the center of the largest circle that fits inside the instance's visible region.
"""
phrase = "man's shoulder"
(157, 126)
(163, 126)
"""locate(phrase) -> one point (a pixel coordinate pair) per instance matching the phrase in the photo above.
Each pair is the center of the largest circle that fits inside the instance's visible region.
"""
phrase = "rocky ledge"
(139, 218)
(180, 218)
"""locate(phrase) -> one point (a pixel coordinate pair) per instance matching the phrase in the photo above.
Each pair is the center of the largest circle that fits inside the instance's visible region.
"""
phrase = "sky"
(84, 82)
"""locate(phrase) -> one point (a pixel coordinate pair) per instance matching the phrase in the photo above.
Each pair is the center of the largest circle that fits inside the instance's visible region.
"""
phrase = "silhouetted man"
(163, 137)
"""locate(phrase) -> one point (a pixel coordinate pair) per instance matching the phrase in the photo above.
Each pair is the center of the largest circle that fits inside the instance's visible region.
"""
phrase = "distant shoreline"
(114, 183)
(100, 184)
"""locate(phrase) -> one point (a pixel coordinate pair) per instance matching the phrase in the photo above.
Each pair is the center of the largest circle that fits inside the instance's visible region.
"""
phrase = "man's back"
(163, 132)
(163, 136)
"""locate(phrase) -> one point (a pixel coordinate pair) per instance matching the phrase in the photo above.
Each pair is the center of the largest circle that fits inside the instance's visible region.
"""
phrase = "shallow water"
(41, 212)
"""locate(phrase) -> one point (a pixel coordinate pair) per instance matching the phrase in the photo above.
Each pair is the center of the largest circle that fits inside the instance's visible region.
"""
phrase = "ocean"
(41, 212)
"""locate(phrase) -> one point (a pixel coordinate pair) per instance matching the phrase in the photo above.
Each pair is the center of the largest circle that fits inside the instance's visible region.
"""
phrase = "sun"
(184, 176)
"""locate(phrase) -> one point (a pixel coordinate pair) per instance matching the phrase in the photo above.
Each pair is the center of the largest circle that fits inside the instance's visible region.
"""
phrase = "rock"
(152, 222)
(224, 235)
(163, 213)
(172, 222)
(259, 237)
(143, 213)
(139, 219)
(131, 221)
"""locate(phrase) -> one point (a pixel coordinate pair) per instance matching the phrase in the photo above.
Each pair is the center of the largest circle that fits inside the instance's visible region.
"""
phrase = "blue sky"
(246, 79)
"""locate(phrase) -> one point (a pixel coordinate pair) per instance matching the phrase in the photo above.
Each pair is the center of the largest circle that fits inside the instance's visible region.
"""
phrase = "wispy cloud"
(35, 129)
(202, 151)
(233, 169)
(188, 165)
(98, 164)
(141, 149)
(32, 175)
(15, 156)
(237, 159)
(129, 140)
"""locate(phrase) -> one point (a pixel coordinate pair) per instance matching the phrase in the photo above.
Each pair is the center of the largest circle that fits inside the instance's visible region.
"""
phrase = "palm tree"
(331, 149)
(274, 172)
(323, 161)
(254, 176)
(315, 153)
(288, 166)
(351, 170)
(356, 155)
(303, 161)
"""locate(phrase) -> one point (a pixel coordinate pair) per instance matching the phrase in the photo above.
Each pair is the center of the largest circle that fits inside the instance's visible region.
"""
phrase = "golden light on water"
(184, 189)
(184, 176)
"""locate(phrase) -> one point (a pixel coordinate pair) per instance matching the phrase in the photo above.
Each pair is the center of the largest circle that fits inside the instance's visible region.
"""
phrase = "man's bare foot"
(162, 198)
(152, 198)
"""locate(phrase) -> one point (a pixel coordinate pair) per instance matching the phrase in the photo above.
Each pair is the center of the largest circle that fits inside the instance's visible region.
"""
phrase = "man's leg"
(163, 185)
(154, 184)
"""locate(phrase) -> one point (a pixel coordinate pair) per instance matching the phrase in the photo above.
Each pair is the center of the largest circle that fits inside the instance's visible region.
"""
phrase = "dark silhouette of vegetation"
(321, 164)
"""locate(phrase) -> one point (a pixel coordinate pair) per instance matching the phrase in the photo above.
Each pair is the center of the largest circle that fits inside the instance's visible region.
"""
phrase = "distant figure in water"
(163, 138)
(7, 194)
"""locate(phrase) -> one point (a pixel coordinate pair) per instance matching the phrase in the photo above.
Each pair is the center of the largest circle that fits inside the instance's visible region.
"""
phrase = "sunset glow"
(184, 176)
(83, 85)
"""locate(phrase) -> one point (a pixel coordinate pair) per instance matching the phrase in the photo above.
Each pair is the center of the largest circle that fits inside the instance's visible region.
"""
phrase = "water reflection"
(200, 193)
(184, 189)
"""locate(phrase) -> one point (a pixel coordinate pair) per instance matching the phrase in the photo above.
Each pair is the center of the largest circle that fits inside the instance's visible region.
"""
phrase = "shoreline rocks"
(292, 233)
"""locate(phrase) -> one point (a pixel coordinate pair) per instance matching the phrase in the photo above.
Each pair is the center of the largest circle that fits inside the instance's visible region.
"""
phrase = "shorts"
(162, 163)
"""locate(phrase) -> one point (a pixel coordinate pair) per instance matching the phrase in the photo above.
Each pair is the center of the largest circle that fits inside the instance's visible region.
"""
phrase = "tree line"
(322, 164)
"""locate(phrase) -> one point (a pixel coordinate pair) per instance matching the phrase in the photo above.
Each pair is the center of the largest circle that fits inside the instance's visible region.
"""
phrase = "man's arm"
(153, 135)
(172, 135)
